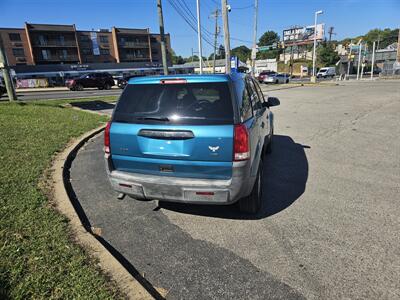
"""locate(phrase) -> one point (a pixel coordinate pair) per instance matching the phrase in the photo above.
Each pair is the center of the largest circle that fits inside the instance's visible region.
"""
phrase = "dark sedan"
(94, 80)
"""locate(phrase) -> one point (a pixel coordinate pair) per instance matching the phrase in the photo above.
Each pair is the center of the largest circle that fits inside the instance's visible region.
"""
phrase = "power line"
(240, 40)
(187, 20)
(192, 16)
(244, 7)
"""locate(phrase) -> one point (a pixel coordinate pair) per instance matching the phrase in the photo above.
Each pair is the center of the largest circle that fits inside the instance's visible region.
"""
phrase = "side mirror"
(273, 101)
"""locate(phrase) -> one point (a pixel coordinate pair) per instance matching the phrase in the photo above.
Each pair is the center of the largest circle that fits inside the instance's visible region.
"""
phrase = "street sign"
(234, 63)
(268, 47)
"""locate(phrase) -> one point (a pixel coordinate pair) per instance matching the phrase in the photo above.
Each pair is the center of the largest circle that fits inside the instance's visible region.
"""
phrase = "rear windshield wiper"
(162, 119)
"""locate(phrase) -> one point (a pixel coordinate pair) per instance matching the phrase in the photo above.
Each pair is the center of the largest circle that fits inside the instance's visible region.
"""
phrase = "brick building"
(39, 44)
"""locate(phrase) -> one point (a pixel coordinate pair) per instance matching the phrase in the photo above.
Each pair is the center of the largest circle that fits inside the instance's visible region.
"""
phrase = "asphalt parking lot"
(330, 223)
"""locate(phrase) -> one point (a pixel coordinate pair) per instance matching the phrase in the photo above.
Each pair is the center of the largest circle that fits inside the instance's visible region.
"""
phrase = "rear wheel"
(287, 80)
(252, 203)
(277, 81)
(79, 87)
(107, 86)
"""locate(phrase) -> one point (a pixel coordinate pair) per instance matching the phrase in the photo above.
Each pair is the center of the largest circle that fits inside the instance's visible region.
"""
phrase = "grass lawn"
(37, 257)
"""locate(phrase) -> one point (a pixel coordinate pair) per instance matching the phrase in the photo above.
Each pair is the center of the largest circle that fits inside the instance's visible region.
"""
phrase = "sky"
(348, 17)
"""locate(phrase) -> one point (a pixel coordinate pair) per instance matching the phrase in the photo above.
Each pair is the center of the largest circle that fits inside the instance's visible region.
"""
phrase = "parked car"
(122, 82)
(326, 72)
(277, 78)
(265, 74)
(190, 138)
(101, 81)
(2, 89)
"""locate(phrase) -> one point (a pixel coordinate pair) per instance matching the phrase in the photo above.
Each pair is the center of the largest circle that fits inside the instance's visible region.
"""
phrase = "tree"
(385, 37)
(268, 38)
(242, 52)
(326, 55)
(220, 52)
(176, 60)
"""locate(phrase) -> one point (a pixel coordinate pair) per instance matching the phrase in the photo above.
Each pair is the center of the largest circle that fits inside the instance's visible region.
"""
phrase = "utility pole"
(330, 32)
(224, 8)
(349, 60)
(291, 60)
(359, 60)
(215, 15)
(163, 50)
(315, 45)
(398, 48)
(373, 60)
(12, 96)
(199, 37)
(253, 59)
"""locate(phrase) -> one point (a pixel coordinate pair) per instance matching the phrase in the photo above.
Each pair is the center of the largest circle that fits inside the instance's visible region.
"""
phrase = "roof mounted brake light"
(173, 81)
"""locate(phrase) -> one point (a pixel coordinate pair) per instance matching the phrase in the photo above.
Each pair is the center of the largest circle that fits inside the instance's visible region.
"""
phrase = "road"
(329, 227)
(45, 95)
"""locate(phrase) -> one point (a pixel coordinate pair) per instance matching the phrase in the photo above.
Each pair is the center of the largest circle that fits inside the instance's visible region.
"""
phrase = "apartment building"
(41, 44)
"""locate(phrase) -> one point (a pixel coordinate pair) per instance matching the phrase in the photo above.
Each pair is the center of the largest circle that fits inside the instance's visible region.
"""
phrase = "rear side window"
(254, 96)
(259, 92)
(246, 111)
(183, 103)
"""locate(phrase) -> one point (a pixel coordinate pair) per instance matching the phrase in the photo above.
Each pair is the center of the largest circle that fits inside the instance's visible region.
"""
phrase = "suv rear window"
(182, 103)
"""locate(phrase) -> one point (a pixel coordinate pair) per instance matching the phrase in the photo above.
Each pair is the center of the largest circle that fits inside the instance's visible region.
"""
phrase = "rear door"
(255, 129)
(175, 128)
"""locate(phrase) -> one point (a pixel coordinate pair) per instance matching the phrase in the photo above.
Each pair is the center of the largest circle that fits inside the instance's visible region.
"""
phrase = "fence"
(32, 83)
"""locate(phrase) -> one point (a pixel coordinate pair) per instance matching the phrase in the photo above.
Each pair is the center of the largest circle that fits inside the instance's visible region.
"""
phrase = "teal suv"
(195, 139)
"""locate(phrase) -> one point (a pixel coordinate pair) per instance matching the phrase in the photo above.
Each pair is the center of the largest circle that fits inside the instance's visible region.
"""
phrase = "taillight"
(241, 147)
(107, 138)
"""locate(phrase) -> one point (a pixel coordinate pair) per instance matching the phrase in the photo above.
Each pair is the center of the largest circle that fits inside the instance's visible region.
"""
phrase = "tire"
(276, 81)
(252, 203)
(107, 86)
(287, 80)
(79, 87)
(100, 87)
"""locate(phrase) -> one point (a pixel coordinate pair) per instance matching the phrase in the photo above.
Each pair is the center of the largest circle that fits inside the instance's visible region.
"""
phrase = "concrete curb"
(127, 283)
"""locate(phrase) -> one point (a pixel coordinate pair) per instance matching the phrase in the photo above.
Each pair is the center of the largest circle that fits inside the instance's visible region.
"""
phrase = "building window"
(84, 38)
(18, 52)
(86, 51)
(104, 39)
(14, 37)
(104, 52)
(45, 54)
(42, 40)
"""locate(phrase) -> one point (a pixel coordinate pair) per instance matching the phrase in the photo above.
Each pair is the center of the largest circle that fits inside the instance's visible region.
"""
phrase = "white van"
(326, 72)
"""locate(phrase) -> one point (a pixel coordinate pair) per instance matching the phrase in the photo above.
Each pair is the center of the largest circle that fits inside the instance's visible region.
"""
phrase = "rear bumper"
(185, 190)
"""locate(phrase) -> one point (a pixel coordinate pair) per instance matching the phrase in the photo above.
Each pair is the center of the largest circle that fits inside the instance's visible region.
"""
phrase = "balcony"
(135, 45)
(69, 58)
(128, 58)
(54, 43)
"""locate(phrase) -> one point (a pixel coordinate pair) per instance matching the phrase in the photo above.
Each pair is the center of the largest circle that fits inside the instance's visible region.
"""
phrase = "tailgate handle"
(166, 134)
